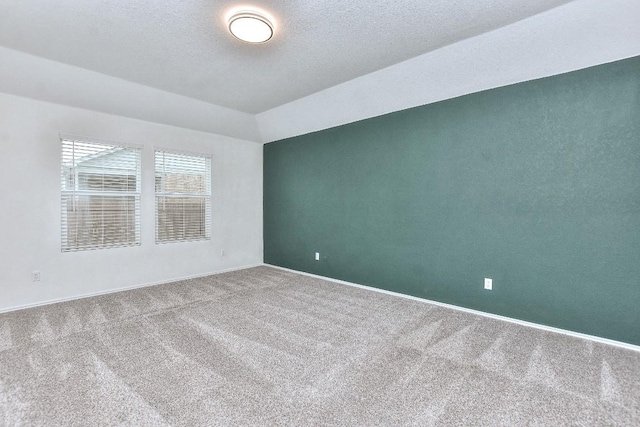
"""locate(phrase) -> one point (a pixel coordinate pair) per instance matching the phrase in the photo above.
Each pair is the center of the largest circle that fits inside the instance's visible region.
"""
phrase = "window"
(183, 197)
(100, 195)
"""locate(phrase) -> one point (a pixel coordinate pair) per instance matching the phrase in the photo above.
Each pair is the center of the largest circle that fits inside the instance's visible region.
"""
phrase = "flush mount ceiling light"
(250, 27)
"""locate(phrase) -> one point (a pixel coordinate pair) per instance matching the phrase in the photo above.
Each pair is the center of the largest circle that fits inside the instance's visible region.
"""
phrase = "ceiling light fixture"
(250, 27)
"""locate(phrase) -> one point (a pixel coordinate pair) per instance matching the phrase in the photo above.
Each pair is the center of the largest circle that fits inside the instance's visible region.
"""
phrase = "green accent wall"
(536, 185)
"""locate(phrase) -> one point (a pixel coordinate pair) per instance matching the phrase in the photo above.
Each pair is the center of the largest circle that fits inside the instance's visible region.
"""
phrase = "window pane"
(100, 195)
(183, 197)
(181, 218)
(99, 167)
(96, 221)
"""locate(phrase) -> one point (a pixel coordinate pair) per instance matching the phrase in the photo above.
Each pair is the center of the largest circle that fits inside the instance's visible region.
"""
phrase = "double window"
(101, 188)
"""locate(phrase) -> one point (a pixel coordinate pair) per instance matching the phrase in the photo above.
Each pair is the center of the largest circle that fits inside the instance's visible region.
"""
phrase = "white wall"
(567, 38)
(30, 235)
(39, 78)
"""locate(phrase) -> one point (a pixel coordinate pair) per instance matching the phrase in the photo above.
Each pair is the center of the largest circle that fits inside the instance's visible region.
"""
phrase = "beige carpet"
(267, 347)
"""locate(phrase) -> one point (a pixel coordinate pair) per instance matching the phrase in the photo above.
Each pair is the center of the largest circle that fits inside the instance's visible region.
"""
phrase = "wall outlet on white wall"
(35, 276)
(317, 256)
(488, 283)
(223, 252)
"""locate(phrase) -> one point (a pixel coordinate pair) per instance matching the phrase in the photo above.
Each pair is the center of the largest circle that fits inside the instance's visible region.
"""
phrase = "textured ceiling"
(182, 46)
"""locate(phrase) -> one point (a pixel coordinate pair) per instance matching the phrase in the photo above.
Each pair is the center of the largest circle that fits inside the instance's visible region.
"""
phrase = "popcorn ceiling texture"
(267, 347)
(184, 47)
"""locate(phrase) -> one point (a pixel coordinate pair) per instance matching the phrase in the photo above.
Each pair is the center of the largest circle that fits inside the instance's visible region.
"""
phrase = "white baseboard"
(126, 288)
(476, 312)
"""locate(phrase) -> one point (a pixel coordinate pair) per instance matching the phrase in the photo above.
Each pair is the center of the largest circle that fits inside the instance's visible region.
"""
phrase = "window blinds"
(183, 196)
(100, 195)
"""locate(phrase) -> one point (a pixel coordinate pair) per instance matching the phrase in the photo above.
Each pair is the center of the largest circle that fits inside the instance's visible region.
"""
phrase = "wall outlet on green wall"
(317, 256)
(488, 283)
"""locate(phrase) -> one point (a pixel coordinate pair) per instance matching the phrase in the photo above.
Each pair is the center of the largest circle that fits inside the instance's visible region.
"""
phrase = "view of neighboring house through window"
(100, 195)
(183, 196)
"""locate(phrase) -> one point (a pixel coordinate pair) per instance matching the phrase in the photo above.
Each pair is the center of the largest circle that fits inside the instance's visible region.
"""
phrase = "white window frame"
(163, 193)
(74, 193)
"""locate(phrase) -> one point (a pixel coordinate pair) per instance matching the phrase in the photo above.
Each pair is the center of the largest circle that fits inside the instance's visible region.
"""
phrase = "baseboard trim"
(126, 288)
(594, 338)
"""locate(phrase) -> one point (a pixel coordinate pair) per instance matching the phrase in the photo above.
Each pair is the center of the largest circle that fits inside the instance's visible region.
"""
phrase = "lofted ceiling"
(183, 46)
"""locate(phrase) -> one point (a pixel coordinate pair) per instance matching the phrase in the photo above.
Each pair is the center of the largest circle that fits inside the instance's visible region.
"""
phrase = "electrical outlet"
(35, 276)
(488, 283)
(223, 253)
(317, 256)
